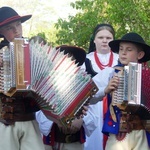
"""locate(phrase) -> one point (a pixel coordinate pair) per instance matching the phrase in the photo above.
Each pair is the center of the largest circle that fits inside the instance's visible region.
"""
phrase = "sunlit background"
(44, 12)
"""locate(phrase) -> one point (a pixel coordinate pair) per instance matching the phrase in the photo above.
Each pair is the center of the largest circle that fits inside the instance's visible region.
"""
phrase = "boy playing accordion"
(131, 48)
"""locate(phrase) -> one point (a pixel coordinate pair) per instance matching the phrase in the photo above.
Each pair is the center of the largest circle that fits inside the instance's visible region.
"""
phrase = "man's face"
(12, 30)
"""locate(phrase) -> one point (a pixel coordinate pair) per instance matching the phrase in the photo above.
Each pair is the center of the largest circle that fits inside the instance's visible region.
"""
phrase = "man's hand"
(75, 126)
(84, 111)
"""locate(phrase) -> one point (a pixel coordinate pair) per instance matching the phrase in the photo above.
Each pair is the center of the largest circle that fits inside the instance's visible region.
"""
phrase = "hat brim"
(10, 20)
(114, 45)
(78, 53)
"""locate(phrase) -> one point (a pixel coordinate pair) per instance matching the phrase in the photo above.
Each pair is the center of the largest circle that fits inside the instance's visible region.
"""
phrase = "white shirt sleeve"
(44, 123)
(101, 80)
(92, 117)
(90, 120)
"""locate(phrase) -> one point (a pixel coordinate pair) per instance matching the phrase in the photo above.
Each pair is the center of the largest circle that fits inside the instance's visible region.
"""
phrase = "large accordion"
(130, 94)
(59, 86)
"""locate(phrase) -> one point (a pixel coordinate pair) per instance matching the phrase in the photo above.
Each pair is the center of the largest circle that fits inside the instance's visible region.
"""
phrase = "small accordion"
(128, 95)
(59, 86)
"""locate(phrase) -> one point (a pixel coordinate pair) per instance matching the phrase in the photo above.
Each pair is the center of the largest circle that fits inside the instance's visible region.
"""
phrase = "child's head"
(102, 35)
(131, 48)
(10, 23)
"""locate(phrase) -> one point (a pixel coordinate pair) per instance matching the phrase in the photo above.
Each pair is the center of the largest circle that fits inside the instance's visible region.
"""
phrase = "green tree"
(124, 15)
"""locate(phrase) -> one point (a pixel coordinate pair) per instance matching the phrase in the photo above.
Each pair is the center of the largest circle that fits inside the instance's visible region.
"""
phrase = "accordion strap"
(15, 109)
(130, 122)
(112, 112)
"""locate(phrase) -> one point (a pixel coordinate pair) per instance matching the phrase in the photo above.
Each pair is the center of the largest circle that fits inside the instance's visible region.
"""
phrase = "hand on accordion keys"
(83, 111)
(112, 85)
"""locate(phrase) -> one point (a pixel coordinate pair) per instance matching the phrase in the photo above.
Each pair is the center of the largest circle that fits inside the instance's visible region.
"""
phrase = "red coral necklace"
(100, 65)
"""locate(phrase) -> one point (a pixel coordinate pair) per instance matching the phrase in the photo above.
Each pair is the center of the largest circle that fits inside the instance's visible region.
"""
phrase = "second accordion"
(129, 95)
(59, 86)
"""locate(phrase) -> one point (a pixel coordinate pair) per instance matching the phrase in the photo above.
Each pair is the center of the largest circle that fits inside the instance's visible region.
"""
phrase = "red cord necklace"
(100, 65)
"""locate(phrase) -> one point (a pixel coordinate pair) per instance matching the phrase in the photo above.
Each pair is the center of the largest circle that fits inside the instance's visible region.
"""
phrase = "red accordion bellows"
(145, 85)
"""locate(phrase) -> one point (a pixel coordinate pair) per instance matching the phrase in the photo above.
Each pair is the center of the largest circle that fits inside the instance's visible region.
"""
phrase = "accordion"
(129, 94)
(59, 86)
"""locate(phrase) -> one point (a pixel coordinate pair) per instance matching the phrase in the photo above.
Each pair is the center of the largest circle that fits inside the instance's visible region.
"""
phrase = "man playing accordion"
(17, 119)
(25, 88)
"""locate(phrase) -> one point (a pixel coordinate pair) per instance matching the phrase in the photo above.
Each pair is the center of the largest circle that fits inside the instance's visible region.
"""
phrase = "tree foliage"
(124, 15)
(44, 14)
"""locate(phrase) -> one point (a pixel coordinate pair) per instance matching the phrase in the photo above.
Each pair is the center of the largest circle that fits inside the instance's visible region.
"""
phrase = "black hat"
(78, 53)
(9, 15)
(133, 38)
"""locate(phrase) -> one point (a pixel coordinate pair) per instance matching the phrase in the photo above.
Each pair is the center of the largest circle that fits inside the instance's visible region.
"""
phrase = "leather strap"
(14, 109)
(9, 118)
(130, 122)
(66, 138)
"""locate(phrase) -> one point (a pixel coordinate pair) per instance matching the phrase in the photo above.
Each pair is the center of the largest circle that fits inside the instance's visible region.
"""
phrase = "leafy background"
(72, 22)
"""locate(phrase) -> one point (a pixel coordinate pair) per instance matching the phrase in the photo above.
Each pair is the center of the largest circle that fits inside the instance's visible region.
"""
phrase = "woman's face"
(102, 38)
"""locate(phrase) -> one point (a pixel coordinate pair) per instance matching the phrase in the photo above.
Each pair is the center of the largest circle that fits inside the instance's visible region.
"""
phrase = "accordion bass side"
(51, 77)
(128, 95)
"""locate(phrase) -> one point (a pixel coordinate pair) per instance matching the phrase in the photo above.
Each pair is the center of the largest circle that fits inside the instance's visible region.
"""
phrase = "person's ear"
(141, 55)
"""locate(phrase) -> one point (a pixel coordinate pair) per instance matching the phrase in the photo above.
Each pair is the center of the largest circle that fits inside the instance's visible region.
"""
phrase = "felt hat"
(132, 38)
(78, 53)
(9, 15)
